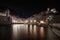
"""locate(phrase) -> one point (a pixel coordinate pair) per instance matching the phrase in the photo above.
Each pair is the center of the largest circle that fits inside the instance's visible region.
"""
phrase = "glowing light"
(15, 31)
(14, 21)
(2, 14)
(34, 27)
(41, 21)
(41, 28)
(34, 20)
(35, 31)
(17, 28)
(42, 32)
(31, 21)
(53, 10)
(30, 29)
(26, 29)
(26, 21)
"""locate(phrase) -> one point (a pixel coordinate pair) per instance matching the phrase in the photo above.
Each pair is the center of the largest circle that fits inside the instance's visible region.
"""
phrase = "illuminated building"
(5, 17)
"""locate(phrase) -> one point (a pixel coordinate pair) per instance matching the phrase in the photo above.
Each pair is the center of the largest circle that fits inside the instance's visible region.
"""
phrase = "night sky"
(27, 8)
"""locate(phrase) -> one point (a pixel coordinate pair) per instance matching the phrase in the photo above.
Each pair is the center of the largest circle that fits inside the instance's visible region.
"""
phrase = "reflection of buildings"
(29, 24)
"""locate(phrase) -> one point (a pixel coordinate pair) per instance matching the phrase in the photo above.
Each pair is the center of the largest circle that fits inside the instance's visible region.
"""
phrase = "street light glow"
(41, 21)
(34, 20)
(26, 21)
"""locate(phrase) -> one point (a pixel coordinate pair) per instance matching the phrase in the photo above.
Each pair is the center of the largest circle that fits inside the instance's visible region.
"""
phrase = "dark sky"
(27, 8)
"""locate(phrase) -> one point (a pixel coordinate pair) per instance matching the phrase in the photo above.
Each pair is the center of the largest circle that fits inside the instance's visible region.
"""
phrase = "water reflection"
(30, 30)
(42, 32)
(15, 31)
(24, 31)
(5, 32)
(35, 31)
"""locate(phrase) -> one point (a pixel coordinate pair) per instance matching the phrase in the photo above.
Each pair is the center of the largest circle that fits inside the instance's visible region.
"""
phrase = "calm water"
(25, 32)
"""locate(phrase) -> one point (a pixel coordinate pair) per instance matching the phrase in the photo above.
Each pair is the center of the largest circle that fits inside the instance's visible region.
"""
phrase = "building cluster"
(43, 17)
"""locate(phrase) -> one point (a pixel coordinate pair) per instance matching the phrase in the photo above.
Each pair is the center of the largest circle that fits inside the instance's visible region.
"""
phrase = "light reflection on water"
(42, 32)
(15, 31)
(26, 29)
(31, 30)
(22, 29)
(35, 31)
